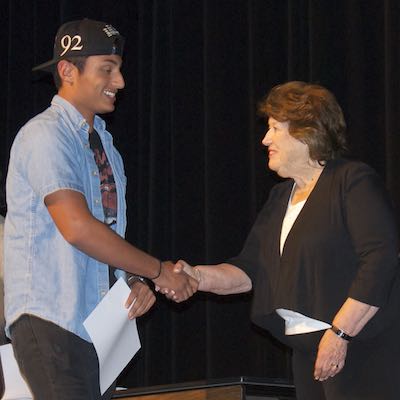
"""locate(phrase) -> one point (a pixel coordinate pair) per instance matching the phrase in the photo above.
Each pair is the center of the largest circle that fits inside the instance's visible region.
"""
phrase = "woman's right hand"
(191, 271)
(177, 294)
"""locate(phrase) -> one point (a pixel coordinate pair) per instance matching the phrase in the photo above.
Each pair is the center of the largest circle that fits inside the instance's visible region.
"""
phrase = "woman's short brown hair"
(315, 118)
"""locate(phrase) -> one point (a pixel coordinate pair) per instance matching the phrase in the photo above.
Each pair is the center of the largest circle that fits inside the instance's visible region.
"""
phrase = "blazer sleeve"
(372, 228)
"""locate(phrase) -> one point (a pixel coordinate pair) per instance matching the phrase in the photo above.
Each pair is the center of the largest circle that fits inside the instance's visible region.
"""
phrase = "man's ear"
(66, 71)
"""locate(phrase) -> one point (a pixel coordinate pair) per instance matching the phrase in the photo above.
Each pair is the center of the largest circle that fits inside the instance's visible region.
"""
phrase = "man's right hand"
(177, 286)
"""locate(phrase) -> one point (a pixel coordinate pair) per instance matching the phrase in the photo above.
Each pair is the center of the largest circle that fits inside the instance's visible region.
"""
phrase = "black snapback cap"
(84, 37)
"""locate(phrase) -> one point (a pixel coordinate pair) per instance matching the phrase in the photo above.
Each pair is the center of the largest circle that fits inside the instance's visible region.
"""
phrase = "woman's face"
(288, 157)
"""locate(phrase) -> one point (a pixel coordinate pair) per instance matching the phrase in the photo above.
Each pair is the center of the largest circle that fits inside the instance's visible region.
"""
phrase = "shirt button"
(103, 293)
(97, 201)
(95, 173)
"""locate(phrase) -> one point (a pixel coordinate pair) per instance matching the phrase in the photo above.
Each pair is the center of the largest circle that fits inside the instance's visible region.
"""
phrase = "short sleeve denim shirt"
(45, 275)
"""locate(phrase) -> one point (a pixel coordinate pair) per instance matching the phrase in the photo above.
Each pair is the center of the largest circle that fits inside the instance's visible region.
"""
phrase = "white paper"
(15, 386)
(114, 336)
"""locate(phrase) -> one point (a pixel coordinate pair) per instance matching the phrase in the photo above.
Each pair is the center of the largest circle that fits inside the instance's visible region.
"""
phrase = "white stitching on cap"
(109, 30)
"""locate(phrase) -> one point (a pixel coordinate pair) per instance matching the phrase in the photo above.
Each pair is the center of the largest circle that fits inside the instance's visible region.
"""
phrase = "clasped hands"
(177, 282)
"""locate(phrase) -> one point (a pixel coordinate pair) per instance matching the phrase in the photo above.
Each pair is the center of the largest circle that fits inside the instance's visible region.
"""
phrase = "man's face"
(94, 89)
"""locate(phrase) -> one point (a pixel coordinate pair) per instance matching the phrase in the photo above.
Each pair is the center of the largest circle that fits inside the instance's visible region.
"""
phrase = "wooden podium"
(241, 388)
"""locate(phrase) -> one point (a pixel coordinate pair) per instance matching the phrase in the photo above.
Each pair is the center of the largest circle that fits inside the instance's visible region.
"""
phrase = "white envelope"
(15, 386)
(114, 336)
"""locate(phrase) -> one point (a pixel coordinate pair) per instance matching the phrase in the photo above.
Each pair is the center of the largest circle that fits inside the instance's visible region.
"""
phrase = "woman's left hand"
(331, 356)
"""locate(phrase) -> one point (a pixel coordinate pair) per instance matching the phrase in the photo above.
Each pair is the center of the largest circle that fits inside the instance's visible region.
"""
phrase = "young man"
(66, 219)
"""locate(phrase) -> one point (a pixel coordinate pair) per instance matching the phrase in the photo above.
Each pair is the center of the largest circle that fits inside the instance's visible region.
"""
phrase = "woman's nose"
(267, 138)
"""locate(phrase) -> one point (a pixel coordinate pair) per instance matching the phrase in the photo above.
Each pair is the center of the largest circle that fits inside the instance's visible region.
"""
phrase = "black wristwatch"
(341, 333)
(136, 278)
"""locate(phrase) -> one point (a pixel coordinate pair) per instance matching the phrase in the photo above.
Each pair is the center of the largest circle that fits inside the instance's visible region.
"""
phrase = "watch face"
(340, 333)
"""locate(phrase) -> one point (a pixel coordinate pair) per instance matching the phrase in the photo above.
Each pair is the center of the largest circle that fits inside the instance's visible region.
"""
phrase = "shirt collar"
(74, 116)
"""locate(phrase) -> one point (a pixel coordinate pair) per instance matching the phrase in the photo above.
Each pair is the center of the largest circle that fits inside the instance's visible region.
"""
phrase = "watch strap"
(341, 334)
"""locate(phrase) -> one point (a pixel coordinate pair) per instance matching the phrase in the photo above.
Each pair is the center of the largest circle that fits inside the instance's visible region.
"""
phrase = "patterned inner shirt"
(107, 187)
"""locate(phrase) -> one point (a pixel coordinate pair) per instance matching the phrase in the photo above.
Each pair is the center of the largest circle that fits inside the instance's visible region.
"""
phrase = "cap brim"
(47, 66)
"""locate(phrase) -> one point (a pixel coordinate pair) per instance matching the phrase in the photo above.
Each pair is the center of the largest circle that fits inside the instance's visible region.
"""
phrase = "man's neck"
(89, 117)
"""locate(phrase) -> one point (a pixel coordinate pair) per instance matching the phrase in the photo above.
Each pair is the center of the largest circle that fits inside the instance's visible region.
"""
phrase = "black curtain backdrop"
(186, 125)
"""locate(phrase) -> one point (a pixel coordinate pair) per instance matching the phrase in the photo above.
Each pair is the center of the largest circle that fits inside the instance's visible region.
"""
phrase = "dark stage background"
(187, 127)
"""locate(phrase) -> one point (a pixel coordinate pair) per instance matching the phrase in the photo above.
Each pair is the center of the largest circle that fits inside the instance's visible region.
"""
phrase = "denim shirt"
(44, 274)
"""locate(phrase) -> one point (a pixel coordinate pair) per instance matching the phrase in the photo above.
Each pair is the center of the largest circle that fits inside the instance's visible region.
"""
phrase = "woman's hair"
(315, 118)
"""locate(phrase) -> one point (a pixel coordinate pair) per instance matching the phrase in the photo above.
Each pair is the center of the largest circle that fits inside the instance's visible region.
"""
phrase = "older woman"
(321, 256)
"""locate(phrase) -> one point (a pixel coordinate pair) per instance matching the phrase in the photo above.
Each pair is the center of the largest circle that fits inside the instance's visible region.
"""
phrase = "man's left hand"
(140, 300)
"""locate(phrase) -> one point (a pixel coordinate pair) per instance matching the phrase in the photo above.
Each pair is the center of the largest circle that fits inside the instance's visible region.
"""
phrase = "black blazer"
(343, 244)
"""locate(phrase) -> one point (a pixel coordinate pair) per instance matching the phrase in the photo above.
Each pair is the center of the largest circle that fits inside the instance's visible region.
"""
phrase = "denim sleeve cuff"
(56, 187)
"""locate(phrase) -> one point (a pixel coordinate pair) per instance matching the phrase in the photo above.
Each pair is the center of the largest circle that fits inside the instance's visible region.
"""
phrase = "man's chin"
(106, 110)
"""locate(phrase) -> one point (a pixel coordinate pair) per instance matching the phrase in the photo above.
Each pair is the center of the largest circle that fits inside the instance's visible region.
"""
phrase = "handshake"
(180, 281)
(177, 281)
